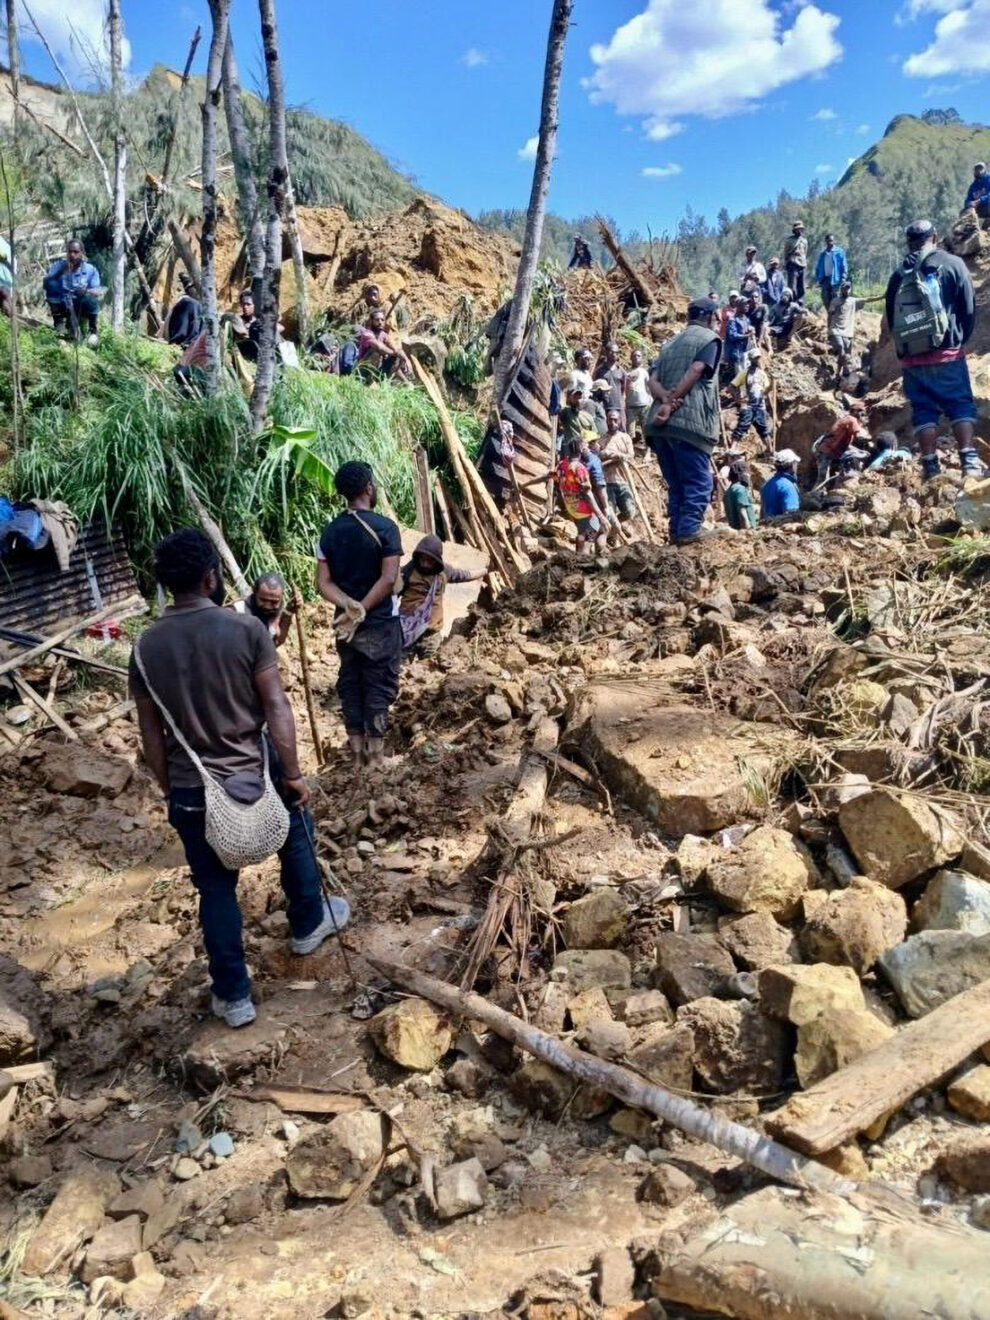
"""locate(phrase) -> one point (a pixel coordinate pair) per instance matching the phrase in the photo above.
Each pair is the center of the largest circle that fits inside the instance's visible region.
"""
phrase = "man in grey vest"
(682, 428)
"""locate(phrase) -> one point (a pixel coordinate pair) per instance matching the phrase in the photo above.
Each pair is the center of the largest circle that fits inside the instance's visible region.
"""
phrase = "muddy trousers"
(219, 912)
(368, 681)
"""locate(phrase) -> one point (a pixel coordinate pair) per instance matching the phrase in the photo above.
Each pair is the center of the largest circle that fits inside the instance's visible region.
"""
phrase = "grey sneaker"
(337, 913)
(235, 1012)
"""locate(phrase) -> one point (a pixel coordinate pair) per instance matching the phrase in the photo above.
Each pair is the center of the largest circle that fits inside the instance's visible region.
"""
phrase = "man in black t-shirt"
(358, 562)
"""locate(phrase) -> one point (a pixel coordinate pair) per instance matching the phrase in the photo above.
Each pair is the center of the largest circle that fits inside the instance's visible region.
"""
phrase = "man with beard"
(267, 603)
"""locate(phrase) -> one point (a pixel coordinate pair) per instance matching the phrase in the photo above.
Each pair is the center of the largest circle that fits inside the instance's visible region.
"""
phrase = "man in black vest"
(682, 428)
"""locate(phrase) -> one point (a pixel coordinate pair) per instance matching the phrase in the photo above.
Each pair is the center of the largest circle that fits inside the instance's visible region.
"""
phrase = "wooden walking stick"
(628, 478)
(307, 688)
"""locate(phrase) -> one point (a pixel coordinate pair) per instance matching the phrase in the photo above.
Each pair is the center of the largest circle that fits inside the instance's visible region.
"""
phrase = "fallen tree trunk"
(778, 1256)
(639, 285)
(851, 1100)
(732, 1138)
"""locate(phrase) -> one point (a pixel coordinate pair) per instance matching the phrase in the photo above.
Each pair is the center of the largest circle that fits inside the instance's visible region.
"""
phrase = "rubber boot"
(930, 466)
(357, 745)
(374, 753)
(970, 463)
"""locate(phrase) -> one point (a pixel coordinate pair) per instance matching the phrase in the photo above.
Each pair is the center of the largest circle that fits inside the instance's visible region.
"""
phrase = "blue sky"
(665, 103)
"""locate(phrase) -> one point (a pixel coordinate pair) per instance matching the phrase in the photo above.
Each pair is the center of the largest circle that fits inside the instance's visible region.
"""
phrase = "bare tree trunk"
(15, 358)
(278, 182)
(119, 170)
(240, 150)
(14, 61)
(219, 12)
(533, 237)
(298, 266)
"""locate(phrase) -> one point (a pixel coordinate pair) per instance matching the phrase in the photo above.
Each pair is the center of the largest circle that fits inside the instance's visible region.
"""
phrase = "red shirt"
(841, 436)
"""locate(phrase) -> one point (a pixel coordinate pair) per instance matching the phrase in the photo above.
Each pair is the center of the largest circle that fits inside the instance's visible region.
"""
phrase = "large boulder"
(83, 772)
(931, 967)
(665, 1055)
(954, 900)
(112, 1249)
(73, 1217)
(854, 926)
(412, 1033)
(756, 941)
(834, 1038)
(24, 1016)
(767, 872)
(690, 966)
(690, 771)
(332, 1162)
(597, 921)
(799, 992)
(896, 837)
(587, 968)
(736, 1046)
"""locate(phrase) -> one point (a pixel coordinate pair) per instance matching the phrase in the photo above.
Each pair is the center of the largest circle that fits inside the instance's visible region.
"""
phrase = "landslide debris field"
(769, 791)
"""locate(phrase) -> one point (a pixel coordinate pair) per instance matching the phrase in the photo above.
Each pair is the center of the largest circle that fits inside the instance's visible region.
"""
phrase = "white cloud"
(528, 150)
(916, 7)
(961, 43)
(661, 171)
(76, 33)
(825, 114)
(677, 59)
(473, 58)
(824, 169)
(862, 129)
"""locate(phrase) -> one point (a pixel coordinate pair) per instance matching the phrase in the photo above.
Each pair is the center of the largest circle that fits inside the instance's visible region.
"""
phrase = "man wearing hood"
(931, 312)
(424, 580)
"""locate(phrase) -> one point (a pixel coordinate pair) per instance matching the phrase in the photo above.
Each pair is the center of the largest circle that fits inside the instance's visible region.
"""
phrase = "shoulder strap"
(370, 530)
(176, 731)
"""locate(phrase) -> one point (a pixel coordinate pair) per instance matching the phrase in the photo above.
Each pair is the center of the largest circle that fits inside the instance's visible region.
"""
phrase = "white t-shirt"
(637, 395)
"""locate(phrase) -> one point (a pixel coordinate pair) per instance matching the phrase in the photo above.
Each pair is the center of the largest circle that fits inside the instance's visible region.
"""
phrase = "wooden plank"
(46, 708)
(424, 496)
(851, 1100)
(304, 1099)
(29, 1072)
(121, 609)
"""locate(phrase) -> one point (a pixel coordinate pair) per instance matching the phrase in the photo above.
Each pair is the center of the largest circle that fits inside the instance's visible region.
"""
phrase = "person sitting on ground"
(886, 449)
(498, 453)
(358, 563)
(582, 370)
(185, 319)
(740, 511)
(378, 352)
(830, 449)
(830, 270)
(212, 675)
(616, 453)
(978, 192)
(683, 427)
(756, 382)
(422, 584)
(753, 274)
(72, 291)
(726, 313)
(931, 312)
(775, 285)
(796, 260)
(780, 495)
(573, 481)
(637, 395)
(784, 319)
(612, 371)
(581, 254)
(267, 602)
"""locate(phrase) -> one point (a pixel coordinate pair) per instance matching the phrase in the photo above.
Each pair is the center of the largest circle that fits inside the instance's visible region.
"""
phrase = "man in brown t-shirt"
(215, 673)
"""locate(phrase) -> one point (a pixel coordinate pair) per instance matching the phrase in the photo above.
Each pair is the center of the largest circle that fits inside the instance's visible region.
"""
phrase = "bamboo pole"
(307, 687)
(46, 708)
(123, 607)
(769, 1156)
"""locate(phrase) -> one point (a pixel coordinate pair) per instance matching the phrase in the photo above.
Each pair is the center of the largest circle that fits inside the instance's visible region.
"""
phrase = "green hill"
(921, 167)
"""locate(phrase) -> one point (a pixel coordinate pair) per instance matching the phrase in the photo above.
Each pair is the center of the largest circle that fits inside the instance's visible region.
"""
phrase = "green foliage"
(118, 446)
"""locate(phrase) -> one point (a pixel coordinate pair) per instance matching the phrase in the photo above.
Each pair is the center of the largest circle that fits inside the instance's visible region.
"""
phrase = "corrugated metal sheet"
(35, 595)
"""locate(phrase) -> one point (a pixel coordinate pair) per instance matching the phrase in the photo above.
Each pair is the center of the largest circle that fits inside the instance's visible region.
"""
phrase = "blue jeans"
(688, 474)
(219, 913)
(941, 388)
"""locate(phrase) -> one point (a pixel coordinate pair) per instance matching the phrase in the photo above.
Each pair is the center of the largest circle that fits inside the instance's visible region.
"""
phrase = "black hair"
(572, 447)
(887, 440)
(246, 293)
(353, 479)
(738, 471)
(76, 242)
(183, 559)
(274, 580)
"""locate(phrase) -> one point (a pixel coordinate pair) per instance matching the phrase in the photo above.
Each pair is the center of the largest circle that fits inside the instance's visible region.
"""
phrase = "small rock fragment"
(896, 837)
(954, 900)
(799, 992)
(143, 1200)
(497, 708)
(969, 1094)
(460, 1189)
(967, 1163)
(736, 1047)
(756, 940)
(607, 1040)
(665, 1055)
(690, 966)
(834, 1038)
(767, 872)
(589, 1006)
(645, 1007)
(544, 1089)
(112, 1249)
(30, 1170)
(221, 1145)
(855, 926)
(597, 921)
(931, 967)
(412, 1033)
(614, 1276)
(586, 968)
(665, 1185)
(185, 1169)
(332, 1162)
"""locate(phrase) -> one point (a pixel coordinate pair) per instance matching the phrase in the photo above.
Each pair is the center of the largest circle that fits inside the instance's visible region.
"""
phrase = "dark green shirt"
(739, 507)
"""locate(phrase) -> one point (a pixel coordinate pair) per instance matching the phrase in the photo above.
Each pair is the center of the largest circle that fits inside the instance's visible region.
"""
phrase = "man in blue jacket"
(780, 493)
(72, 289)
(831, 270)
(978, 192)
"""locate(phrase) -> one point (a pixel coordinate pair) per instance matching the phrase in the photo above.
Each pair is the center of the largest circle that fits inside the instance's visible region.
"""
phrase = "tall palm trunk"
(14, 62)
(240, 150)
(119, 168)
(298, 265)
(278, 183)
(220, 13)
(533, 237)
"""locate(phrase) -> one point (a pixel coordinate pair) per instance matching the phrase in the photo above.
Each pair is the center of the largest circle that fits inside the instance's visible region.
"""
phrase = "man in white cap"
(780, 493)
(978, 192)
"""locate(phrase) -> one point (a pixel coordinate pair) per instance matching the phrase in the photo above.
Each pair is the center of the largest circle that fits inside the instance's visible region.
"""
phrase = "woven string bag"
(240, 833)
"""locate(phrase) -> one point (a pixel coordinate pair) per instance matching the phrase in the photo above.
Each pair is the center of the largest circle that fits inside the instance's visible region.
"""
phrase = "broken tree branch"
(641, 288)
(731, 1138)
(46, 708)
(132, 605)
